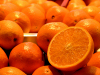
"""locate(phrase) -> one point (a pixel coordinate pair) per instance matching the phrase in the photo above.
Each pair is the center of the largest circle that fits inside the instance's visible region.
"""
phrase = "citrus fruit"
(70, 49)
(97, 17)
(11, 71)
(11, 34)
(21, 19)
(56, 14)
(36, 16)
(6, 8)
(36, 1)
(91, 10)
(74, 6)
(88, 70)
(26, 56)
(93, 27)
(48, 4)
(74, 16)
(3, 59)
(95, 59)
(37, 6)
(46, 33)
(46, 70)
(20, 3)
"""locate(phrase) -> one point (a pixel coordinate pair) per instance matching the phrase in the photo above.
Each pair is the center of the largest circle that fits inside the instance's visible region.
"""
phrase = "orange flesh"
(69, 47)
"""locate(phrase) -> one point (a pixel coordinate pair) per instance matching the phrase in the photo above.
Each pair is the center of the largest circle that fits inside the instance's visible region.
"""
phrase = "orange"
(56, 14)
(36, 16)
(38, 6)
(3, 1)
(48, 4)
(46, 33)
(95, 3)
(70, 49)
(11, 71)
(93, 27)
(75, 16)
(6, 8)
(36, 1)
(74, 6)
(20, 3)
(11, 34)
(26, 56)
(97, 17)
(91, 10)
(80, 2)
(46, 70)
(88, 70)
(95, 59)
(3, 59)
(21, 19)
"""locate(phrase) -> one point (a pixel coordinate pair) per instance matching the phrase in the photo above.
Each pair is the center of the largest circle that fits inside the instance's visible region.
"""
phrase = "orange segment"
(70, 49)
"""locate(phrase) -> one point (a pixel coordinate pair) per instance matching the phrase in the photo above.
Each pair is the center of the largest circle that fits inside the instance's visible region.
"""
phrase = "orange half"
(70, 49)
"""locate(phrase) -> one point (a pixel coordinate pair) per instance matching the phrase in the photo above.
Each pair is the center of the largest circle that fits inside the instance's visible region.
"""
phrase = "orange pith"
(70, 48)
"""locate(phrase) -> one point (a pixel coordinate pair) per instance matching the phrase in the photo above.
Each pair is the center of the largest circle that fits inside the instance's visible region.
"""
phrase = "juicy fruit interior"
(69, 47)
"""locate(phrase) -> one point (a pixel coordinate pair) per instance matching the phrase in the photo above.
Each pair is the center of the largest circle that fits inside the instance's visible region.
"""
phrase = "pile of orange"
(67, 42)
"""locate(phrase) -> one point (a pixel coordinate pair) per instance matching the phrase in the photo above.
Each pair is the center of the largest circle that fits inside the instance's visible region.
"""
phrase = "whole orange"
(56, 14)
(46, 33)
(11, 34)
(27, 57)
(21, 19)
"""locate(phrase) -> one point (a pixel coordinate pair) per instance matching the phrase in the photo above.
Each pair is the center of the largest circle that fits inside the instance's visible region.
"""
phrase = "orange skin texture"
(46, 70)
(93, 27)
(95, 3)
(74, 16)
(47, 32)
(3, 59)
(21, 19)
(48, 4)
(94, 61)
(11, 34)
(88, 70)
(11, 71)
(36, 16)
(26, 53)
(91, 10)
(7, 8)
(56, 14)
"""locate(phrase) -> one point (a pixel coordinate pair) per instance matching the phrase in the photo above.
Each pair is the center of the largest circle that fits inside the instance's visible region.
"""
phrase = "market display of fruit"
(49, 37)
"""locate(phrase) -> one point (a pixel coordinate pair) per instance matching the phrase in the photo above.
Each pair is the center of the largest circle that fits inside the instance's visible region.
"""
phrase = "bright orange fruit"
(47, 32)
(21, 19)
(88, 70)
(56, 14)
(93, 27)
(46, 70)
(74, 16)
(3, 59)
(36, 16)
(27, 57)
(11, 34)
(11, 71)
(70, 49)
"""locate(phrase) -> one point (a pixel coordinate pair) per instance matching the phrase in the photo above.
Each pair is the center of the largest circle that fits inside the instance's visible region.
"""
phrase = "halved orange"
(70, 49)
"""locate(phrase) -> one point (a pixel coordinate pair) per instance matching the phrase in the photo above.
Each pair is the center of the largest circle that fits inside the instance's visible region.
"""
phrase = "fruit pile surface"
(67, 41)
